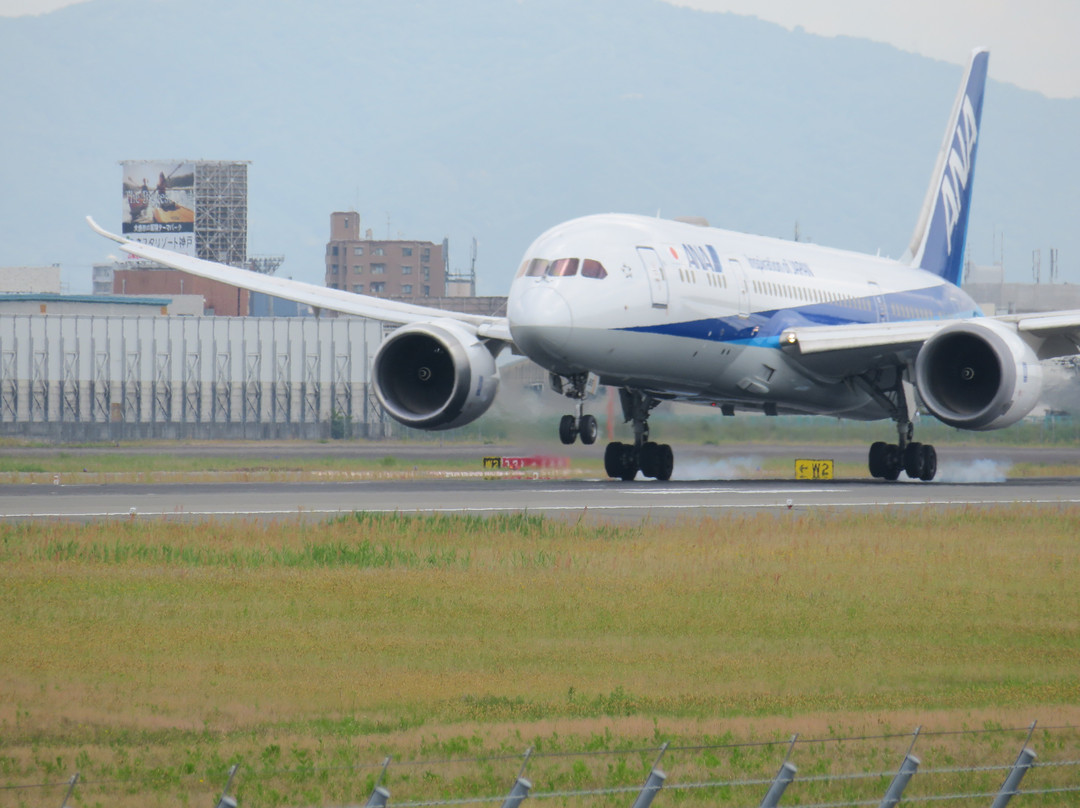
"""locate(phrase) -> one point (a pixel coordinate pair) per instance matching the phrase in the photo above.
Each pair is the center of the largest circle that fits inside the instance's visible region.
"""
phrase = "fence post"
(780, 784)
(378, 799)
(649, 790)
(71, 787)
(517, 794)
(1012, 782)
(522, 786)
(225, 801)
(379, 796)
(899, 783)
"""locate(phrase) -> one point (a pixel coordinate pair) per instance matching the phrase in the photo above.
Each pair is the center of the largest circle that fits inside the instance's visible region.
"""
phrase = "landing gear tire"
(918, 461)
(568, 429)
(914, 460)
(612, 459)
(929, 469)
(621, 460)
(588, 429)
(877, 458)
(667, 463)
(893, 464)
(657, 460)
(884, 461)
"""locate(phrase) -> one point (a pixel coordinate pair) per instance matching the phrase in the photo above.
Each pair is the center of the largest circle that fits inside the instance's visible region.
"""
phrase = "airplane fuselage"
(696, 313)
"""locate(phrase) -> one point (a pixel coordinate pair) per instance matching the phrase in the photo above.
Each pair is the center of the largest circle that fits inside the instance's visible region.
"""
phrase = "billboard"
(159, 204)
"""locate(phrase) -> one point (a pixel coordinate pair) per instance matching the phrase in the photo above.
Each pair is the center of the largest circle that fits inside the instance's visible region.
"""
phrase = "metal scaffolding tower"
(221, 211)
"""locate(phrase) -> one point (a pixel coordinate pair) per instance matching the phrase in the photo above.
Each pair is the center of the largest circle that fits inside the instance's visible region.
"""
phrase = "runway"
(573, 499)
(708, 480)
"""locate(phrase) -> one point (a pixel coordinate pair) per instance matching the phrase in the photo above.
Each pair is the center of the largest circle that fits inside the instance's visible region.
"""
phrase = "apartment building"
(404, 270)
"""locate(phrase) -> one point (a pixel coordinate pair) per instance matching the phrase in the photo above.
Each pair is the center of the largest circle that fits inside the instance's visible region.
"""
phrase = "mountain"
(499, 118)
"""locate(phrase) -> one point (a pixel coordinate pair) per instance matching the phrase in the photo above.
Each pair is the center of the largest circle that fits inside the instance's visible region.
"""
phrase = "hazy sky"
(1031, 41)
(19, 8)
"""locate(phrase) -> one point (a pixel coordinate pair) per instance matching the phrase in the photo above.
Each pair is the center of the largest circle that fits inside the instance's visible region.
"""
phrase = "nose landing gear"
(583, 426)
(621, 460)
(572, 427)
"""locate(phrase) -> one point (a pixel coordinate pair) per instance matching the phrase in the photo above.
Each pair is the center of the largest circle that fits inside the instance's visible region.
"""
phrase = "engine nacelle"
(434, 375)
(978, 375)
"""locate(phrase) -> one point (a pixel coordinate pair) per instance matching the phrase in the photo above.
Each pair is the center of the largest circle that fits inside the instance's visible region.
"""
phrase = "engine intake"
(434, 375)
(978, 375)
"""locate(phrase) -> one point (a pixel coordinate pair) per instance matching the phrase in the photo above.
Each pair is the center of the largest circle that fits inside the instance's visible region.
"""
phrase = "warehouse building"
(85, 377)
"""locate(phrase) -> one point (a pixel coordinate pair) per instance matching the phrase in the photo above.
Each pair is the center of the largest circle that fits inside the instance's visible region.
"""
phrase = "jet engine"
(978, 375)
(434, 375)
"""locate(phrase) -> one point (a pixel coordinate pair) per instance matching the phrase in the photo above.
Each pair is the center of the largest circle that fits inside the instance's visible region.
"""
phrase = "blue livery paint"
(764, 327)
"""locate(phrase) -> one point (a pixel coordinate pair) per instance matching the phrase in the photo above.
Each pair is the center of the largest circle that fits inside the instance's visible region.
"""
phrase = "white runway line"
(780, 505)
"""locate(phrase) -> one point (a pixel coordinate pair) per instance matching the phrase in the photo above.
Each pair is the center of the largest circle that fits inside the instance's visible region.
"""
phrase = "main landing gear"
(621, 460)
(651, 459)
(887, 460)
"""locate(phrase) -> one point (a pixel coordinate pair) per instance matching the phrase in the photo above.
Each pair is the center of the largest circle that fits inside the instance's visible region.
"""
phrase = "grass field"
(108, 466)
(149, 657)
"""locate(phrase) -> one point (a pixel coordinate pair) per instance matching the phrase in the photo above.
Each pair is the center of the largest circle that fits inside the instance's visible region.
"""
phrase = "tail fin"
(938, 242)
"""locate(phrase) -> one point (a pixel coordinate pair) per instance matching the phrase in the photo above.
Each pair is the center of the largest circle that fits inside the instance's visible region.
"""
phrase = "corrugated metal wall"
(92, 378)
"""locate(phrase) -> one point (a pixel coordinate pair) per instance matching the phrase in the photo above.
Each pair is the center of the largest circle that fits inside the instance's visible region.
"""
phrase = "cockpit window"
(563, 268)
(592, 269)
(537, 267)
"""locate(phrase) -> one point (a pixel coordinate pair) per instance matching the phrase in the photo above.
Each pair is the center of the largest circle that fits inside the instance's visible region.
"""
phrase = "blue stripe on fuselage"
(942, 301)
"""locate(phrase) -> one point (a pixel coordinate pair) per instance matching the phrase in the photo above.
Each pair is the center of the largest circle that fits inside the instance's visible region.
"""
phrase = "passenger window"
(592, 269)
(537, 267)
(563, 268)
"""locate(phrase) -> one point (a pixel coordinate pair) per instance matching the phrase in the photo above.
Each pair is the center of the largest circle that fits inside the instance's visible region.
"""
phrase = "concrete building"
(997, 297)
(403, 270)
(103, 278)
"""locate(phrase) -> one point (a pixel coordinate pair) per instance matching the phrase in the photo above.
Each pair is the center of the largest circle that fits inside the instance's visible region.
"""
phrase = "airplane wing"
(1049, 324)
(852, 349)
(319, 297)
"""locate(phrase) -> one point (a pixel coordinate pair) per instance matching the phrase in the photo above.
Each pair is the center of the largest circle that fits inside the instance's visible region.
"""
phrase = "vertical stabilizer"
(938, 242)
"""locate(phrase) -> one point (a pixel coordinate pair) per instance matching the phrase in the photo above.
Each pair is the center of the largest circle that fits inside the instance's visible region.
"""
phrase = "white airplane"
(673, 311)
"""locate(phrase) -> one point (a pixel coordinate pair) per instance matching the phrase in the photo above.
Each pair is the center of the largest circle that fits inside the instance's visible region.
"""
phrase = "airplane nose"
(540, 322)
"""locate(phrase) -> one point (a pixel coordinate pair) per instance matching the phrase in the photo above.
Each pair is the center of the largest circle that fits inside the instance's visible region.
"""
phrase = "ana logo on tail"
(958, 170)
(937, 245)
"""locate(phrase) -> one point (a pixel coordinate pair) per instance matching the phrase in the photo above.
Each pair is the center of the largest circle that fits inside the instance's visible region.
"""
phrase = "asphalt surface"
(711, 481)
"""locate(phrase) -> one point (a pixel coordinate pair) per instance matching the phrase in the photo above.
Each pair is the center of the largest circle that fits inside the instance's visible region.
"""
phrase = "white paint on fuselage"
(729, 296)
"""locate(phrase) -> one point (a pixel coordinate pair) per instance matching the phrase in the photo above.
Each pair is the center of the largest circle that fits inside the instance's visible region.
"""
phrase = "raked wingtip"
(102, 231)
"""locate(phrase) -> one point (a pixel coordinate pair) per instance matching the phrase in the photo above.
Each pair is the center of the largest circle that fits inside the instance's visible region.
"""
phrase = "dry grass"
(134, 647)
(108, 467)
